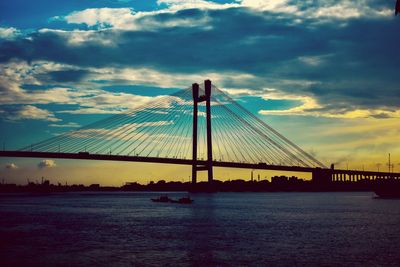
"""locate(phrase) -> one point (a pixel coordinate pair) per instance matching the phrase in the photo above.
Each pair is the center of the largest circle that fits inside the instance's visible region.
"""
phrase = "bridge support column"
(195, 92)
(207, 85)
(197, 99)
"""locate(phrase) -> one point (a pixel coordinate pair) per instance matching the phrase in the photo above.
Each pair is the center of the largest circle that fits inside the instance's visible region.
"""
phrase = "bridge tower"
(197, 99)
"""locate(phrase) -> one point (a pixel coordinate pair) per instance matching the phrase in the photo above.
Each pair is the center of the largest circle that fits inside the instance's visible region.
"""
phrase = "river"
(222, 229)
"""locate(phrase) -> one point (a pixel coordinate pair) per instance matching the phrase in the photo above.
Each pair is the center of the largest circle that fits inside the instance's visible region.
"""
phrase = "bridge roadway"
(259, 166)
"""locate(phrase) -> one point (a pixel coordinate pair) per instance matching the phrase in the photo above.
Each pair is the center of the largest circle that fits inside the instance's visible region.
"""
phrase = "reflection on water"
(224, 229)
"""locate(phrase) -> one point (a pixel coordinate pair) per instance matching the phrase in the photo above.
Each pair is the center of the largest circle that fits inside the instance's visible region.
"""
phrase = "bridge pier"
(207, 85)
(197, 99)
(195, 92)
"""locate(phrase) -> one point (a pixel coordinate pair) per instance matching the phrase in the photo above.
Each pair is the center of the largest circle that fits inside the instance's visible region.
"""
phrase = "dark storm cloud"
(310, 4)
(238, 40)
(353, 64)
(67, 75)
(192, 14)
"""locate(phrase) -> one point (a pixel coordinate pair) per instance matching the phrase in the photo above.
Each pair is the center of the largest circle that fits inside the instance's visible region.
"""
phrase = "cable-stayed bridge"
(201, 126)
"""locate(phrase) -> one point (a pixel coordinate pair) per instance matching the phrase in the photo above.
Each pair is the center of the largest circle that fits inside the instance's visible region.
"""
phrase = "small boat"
(183, 200)
(164, 198)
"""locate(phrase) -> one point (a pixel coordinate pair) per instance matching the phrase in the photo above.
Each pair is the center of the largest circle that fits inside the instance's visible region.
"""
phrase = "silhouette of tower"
(197, 99)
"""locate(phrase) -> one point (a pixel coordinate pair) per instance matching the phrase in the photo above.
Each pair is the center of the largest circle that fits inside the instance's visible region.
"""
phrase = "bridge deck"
(259, 166)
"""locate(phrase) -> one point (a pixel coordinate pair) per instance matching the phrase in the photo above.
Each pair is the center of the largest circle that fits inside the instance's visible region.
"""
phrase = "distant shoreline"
(280, 184)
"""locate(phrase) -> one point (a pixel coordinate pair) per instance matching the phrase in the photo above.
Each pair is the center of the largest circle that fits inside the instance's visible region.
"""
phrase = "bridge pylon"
(197, 98)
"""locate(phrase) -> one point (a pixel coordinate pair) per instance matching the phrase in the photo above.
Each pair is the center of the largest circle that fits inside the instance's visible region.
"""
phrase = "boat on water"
(388, 188)
(165, 198)
(183, 200)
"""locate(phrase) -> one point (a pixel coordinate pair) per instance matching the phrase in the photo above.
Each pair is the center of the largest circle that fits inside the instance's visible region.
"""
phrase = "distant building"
(279, 179)
(284, 179)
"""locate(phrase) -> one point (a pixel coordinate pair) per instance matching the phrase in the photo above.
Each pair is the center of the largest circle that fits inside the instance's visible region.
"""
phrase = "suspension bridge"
(201, 126)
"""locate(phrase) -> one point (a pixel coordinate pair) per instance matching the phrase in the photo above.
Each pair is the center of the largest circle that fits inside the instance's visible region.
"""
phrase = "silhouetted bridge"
(336, 174)
(199, 126)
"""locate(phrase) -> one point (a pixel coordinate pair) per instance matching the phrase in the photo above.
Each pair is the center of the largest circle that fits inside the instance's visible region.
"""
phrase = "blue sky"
(305, 67)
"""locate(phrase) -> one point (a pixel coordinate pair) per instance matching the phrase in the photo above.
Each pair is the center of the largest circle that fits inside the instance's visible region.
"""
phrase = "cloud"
(47, 163)
(267, 40)
(333, 70)
(11, 166)
(168, 50)
(280, 6)
(35, 113)
(64, 76)
(325, 11)
(28, 112)
(309, 106)
(344, 10)
(102, 17)
(9, 33)
(128, 19)
(90, 101)
(299, 10)
(108, 103)
(307, 103)
(67, 125)
(75, 38)
(176, 5)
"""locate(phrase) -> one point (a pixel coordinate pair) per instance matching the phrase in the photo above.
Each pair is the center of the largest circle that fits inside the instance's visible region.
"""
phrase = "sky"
(324, 73)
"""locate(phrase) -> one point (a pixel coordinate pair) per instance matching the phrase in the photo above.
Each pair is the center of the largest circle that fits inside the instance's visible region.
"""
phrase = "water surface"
(223, 229)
